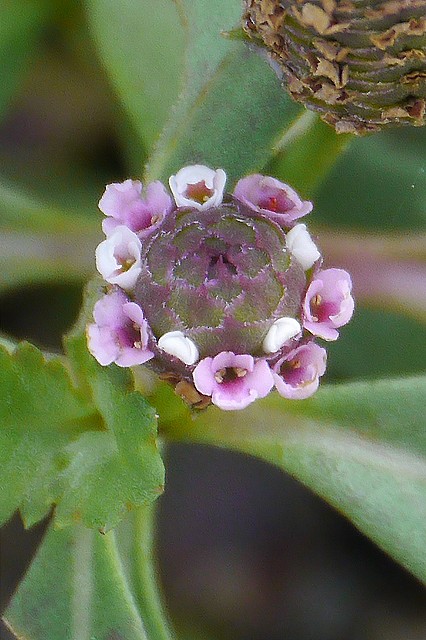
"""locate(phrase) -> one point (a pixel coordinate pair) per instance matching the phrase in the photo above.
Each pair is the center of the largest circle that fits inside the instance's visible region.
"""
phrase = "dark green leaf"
(362, 447)
(21, 27)
(371, 347)
(232, 109)
(379, 183)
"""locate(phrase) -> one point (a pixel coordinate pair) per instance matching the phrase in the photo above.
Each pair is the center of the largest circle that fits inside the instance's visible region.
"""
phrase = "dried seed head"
(360, 63)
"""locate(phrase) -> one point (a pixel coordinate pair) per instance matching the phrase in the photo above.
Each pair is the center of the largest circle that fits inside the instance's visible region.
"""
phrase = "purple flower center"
(199, 192)
(278, 202)
(294, 373)
(219, 266)
(129, 336)
(321, 310)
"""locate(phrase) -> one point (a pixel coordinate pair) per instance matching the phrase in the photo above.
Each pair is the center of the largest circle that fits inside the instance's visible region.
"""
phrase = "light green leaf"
(141, 45)
(110, 472)
(362, 447)
(21, 211)
(232, 109)
(76, 589)
(40, 413)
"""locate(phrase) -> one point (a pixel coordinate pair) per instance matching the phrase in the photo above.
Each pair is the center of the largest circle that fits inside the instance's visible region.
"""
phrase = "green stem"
(145, 575)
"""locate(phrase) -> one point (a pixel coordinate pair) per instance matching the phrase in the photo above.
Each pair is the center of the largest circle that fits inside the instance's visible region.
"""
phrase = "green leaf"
(141, 45)
(40, 413)
(76, 588)
(362, 447)
(370, 347)
(21, 27)
(379, 183)
(111, 472)
(232, 109)
(307, 152)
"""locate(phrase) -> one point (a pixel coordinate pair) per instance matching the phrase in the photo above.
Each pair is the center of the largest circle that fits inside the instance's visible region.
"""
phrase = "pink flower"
(271, 197)
(328, 303)
(124, 204)
(198, 187)
(233, 381)
(297, 374)
(119, 333)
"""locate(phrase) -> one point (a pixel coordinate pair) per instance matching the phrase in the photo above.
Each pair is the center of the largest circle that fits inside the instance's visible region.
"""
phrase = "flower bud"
(360, 64)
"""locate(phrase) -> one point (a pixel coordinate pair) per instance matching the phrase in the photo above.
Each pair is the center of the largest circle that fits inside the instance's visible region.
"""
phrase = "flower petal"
(296, 376)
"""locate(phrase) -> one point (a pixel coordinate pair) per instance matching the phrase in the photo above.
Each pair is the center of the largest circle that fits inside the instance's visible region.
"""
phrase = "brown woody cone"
(361, 64)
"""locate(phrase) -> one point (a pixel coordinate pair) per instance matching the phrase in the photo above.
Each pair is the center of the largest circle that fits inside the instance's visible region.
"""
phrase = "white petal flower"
(283, 330)
(198, 187)
(118, 258)
(176, 344)
(302, 247)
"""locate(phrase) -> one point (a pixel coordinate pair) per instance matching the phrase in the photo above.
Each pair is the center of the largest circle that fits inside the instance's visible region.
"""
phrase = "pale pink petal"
(125, 204)
(119, 333)
(328, 303)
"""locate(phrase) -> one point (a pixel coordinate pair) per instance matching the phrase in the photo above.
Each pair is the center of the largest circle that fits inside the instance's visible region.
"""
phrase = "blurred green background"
(234, 563)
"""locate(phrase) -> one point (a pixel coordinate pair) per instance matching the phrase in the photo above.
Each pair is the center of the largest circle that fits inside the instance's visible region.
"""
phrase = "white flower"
(302, 247)
(118, 258)
(176, 344)
(198, 186)
(280, 332)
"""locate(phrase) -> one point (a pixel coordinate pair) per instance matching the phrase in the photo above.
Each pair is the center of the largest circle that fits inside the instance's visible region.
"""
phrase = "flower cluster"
(221, 294)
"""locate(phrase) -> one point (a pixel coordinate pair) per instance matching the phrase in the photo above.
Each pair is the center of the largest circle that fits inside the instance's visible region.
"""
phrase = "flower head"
(124, 204)
(297, 374)
(328, 303)
(119, 333)
(221, 295)
(271, 197)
